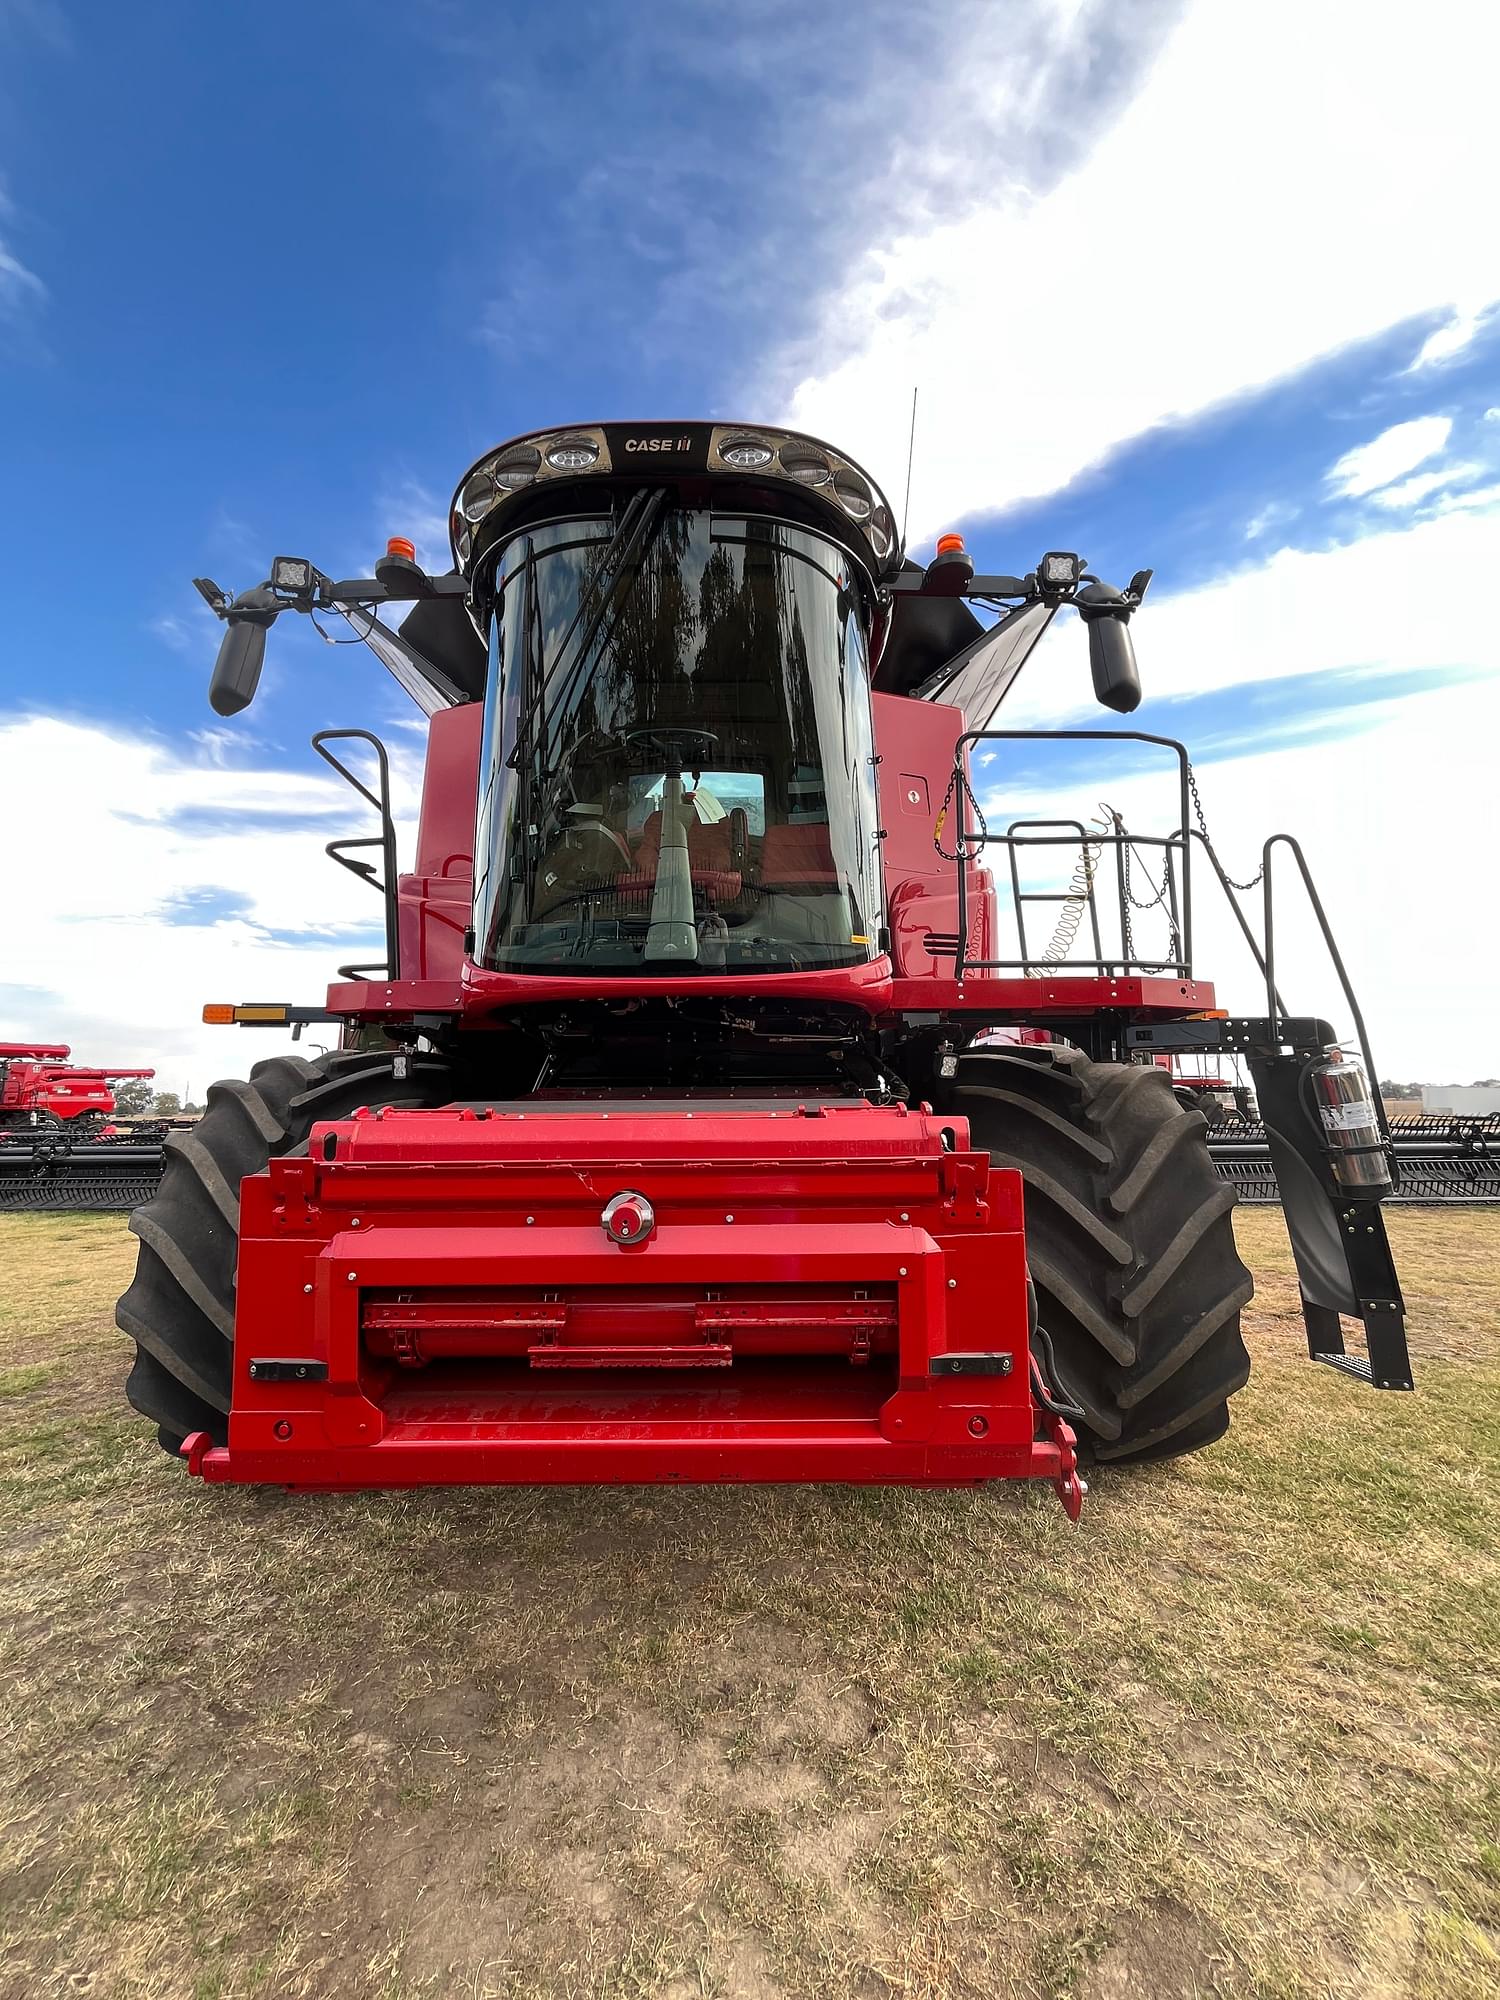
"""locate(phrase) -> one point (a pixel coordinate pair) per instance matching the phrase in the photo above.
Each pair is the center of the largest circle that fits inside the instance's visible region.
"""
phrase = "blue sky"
(270, 278)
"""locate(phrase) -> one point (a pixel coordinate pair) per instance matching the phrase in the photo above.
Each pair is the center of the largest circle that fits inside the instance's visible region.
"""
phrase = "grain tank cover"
(747, 466)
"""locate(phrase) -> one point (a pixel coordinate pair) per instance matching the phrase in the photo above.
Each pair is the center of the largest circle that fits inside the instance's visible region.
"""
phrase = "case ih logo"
(659, 444)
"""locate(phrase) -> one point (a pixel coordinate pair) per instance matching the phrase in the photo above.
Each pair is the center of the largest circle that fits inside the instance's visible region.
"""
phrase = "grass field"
(1234, 1734)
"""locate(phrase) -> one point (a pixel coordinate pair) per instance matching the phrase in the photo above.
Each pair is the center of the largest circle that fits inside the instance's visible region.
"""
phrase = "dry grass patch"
(1233, 1735)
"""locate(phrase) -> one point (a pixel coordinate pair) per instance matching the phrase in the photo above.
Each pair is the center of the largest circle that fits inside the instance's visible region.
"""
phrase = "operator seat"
(796, 856)
(716, 856)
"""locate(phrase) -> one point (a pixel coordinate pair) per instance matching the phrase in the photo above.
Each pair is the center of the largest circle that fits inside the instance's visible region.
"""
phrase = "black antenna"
(911, 452)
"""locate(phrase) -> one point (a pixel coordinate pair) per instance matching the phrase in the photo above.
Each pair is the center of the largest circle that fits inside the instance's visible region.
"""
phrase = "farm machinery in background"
(63, 1142)
(661, 1143)
(1443, 1159)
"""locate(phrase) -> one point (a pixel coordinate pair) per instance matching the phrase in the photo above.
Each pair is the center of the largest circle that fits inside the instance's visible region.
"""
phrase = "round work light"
(572, 454)
(746, 454)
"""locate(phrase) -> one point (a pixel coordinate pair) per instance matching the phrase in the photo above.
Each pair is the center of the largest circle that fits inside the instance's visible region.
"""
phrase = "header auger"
(662, 1144)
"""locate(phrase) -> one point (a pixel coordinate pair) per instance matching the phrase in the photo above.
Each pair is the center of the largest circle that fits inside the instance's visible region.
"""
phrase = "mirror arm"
(264, 603)
(248, 617)
(369, 590)
(908, 583)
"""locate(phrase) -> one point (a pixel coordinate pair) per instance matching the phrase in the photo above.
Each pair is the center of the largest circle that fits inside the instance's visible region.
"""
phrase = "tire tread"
(1130, 1242)
(179, 1306)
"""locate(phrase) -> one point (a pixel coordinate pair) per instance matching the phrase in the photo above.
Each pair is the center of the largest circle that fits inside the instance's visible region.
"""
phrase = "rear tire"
(1129, 1242)
(179, 1309)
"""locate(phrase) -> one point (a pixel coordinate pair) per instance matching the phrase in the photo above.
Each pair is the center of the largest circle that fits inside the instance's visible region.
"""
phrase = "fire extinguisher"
(1351, 1128)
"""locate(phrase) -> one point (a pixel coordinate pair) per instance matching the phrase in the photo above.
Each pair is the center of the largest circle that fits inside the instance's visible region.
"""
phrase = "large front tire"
(179, 1309)
(1129, 1241)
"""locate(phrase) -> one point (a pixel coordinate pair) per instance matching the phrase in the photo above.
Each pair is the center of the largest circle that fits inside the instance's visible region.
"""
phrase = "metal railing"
(1173, 852)
(1174, 894)
(343, 851)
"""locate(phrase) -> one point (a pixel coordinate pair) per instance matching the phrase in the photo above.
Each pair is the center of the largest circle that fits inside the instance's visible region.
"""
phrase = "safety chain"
(968, 846)
(1158, 898)
(1192, 777)
(959, 783)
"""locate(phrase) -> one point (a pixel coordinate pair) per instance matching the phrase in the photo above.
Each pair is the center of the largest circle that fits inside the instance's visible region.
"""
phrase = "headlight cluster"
(513, 467)
(687, 449)
(811, 465)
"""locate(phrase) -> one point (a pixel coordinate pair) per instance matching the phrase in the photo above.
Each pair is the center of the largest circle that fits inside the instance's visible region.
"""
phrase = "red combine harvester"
(40, 1087)
(659, 1146)
(60, 1144)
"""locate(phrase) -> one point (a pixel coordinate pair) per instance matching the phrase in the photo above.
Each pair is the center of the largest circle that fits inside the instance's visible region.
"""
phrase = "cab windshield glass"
(677, 771)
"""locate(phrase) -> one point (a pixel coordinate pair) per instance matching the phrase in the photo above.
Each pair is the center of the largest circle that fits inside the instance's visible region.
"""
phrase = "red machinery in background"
(63, 1144)
(40, 1086)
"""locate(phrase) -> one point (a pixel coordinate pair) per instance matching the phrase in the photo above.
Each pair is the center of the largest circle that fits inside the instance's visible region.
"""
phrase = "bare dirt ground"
(1233, 1735)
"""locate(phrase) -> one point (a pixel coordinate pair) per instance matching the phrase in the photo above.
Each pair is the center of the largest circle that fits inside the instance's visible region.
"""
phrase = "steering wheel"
(676, 745)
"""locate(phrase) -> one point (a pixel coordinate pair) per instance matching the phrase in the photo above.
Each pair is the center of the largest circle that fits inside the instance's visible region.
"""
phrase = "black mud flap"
(1344, 1264)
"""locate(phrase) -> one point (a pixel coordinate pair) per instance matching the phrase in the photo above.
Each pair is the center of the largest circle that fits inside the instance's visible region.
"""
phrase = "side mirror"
(242, 652)
(1117, 682)
(1106, 612)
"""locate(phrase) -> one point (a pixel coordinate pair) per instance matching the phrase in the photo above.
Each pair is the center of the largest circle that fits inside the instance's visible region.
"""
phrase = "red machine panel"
(434, 901)
(915, 740)
(830, 1290)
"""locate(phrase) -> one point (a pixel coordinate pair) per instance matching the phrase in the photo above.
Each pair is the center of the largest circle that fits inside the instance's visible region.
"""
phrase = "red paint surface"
(833, 1252)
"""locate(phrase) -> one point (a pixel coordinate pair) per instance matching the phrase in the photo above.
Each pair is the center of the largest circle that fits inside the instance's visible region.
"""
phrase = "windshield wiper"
(617, 572)
(533, 693)
(624, 547)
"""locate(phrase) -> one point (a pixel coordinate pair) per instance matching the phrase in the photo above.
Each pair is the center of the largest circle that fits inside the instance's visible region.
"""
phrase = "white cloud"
(108, 971)
(1478, 499)
(1275, 514)
(1408, 492)
(1389, 602)
(174, 632)
(1399, 883)
(22, 293)
(1449, 340)
(1386, 457)
(1216, 239)
(20, 289)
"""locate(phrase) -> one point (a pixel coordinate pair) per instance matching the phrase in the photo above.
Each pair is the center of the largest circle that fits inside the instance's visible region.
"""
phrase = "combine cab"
(670, 1139)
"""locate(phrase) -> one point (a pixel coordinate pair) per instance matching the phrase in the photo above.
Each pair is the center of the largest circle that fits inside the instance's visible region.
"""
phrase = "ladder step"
(1349, 1364)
